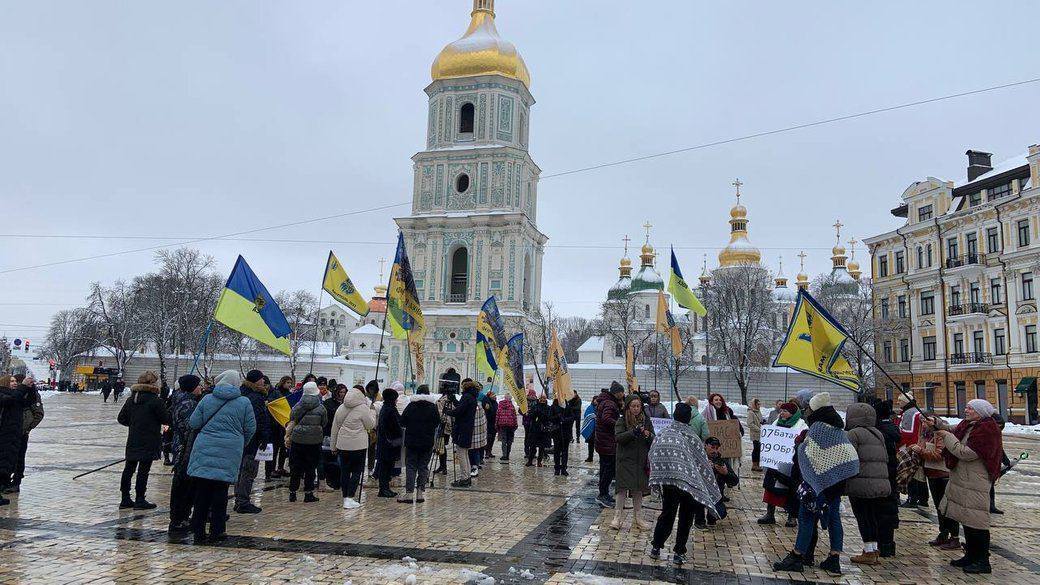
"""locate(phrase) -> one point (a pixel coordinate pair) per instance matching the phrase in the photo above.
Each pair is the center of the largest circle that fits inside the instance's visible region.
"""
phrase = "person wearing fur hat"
(185, 398)
(253, 388)
(972, 454)
(144, 414)
(388, 442)
(304, 435)
(419, 419)
(223, 423)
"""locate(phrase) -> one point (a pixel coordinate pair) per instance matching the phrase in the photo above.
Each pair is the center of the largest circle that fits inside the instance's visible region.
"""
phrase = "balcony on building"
(965, 260)
(969, 309)
(971, 358)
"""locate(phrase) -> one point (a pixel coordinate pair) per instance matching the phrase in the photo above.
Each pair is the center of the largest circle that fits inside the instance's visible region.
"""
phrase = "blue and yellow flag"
(491, 337)
(511, 358)
(556, 369)
(681, 292)
(247, 307)
(341, 288)
(402, 300)
(280, 408)
(666, 324)
(813, 345)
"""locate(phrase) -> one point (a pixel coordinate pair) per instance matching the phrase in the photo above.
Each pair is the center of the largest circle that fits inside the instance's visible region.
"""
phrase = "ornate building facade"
(958, 275)
(473, 231)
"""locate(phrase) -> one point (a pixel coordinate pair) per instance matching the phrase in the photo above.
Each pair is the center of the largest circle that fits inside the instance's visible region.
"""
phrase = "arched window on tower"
(459, 276)
(466, 119)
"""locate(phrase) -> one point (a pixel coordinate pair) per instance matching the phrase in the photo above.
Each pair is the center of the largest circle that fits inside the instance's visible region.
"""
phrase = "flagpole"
(202, 346)
(657, 363)
(317, 318)
(382, 333)
(878, 366)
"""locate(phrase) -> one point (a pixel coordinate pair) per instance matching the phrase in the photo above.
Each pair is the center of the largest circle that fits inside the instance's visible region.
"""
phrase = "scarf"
(984, 440)
(677, 458)
(826, 457)
(791, 420)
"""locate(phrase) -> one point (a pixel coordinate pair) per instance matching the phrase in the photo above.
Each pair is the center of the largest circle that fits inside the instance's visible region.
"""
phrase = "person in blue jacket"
(224, 423)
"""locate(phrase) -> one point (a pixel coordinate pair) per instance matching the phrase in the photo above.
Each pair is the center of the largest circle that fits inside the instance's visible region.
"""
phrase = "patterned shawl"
(677, 458)
(826, 457)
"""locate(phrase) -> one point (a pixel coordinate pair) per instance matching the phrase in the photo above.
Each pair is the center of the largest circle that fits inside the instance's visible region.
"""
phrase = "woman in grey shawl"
(680, 467)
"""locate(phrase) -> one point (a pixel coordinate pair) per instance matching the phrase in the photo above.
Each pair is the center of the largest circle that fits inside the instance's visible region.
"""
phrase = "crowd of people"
(215, 434)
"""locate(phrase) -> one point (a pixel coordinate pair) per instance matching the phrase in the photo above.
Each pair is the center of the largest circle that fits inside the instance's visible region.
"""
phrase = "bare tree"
(5, 355)
(157, 315)
(667, 364)
(621, 326)
(70, 335)
(574, 331)
(740, 308)
(194, 289)
(536, 332)
(300, 308)
(117, 321)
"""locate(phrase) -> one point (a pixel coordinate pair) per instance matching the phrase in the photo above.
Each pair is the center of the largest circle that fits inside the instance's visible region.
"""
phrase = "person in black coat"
(888, 513)
(253, 388)
(420, 420)
(388, 442)
(562, 420)
(541, 430)
(12, 405)
(144, 413)
(106, 390)
(451, 381)
(574, 404)
(117, 389)
(463, 415)
(490, 404)
(276, 466)
(185, 398)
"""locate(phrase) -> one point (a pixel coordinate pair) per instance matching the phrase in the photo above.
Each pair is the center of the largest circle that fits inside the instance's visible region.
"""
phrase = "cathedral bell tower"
(473, 231)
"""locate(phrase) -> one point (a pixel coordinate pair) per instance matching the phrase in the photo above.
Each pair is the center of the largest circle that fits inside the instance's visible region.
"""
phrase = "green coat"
(632, 452)
(700, 426)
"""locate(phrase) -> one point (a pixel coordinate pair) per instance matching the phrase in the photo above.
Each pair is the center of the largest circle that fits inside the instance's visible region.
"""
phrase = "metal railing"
(971, 357)
(969, 309)
(457, 297)
(965, 260)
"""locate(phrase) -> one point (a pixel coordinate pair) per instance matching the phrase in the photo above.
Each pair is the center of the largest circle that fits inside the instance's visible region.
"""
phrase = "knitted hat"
(228, 378)
(188, 382)
(310, 389)
(389, 395)
(683, 413)
(984, 408)
(254, 376)
(802, 398)
(616, 388)
(820, 400)
(789, 407)
(397, 386)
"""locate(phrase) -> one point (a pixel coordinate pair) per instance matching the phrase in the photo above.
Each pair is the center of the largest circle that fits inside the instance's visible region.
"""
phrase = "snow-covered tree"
(69, 335)
(5, 355)
(117, 321)
(301, 310)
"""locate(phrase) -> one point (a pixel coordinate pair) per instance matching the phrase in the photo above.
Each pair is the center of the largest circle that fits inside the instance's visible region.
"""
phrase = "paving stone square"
(517, 525)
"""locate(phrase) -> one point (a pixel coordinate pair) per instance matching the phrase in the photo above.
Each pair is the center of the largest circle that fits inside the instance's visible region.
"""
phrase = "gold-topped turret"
(838, 251)
(481, 51)
(625, 268)
(802, 280)
(739, 250)
(854, 270)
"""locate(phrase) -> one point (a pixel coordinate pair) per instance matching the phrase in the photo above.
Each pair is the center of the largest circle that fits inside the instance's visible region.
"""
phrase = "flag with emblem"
(813, 345)
(681, 292)
(666, 324)
(556, 370)
(247, 307)
(511, 364)
(491, 337)
(341, 288)
(402, 300)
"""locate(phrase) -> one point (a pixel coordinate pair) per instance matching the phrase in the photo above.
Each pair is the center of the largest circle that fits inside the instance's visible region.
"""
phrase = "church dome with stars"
(481, 51)
(739, 250)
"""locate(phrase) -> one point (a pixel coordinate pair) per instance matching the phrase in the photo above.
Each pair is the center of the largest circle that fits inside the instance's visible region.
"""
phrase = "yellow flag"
(415, 345)
(556, 370)
(813, 345)
(666, 324)
(630, 369)
(339, 285)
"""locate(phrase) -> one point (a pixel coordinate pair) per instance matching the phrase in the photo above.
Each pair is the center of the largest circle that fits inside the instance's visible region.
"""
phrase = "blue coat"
(217, 453)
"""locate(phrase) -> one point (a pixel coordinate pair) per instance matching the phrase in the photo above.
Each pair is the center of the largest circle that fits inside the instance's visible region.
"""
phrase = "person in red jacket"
(505, 425)
(608, 409)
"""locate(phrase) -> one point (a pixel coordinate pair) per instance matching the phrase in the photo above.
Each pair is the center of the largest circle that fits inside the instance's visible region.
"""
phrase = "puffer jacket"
(607, 413)
(699, 425)
(506, 416)
(463, 413)
(967, 494)
(224, 423)
(352, 422)
(754, 424)
(33, 415)
(143, 413)
(872, 481)
(420, 420)
(308, 420)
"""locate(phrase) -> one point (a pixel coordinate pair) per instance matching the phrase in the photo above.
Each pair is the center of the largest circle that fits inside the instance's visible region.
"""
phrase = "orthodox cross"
(781, 261)
(382, 264)
(837, 226)
(801, 257)
(647, 226)
(626, 240)
(738, 184)
(852, 245)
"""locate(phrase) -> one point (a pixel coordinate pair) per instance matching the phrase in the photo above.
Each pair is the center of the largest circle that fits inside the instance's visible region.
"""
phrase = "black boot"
(962, 562)
(979, 567)
(309, 497)
(886, 549)
(126, 502)
(770, 516)
(792, 562)
(832, 564)
(143, 504)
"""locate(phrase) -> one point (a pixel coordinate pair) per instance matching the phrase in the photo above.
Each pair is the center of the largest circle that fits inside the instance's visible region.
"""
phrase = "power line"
(559, 174)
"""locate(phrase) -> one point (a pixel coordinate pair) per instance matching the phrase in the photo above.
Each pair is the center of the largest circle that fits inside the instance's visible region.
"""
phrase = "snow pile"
(475, 578)
(589, 579)
(409, 570)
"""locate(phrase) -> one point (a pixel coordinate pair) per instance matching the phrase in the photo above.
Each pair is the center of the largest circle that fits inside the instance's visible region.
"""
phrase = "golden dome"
(625, 262)
(481, 51)
(738, 211)
(838, 250)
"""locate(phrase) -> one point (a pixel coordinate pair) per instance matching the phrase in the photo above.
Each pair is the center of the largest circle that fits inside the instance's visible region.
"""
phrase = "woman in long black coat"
(144, 413)
(388, 442)
(12, 406)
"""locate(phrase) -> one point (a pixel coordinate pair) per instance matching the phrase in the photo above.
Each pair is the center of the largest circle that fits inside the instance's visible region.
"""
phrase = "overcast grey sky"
(194, 118)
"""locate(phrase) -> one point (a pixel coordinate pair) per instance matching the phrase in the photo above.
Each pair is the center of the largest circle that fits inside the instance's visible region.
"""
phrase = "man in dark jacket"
(463, 414)
(144, 413)
(32, 416)
(12, 403)
(608, 409)
(451, 381)
(724, 474)
(575, 405)
(253, 388)
(388, 442)
(490, 407)
(888, 512)
(182, 490)
(562, 417)
(419, 419)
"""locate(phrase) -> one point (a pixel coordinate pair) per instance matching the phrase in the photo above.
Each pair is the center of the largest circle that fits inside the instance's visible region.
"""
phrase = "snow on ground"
(409, 571)
(588, 579)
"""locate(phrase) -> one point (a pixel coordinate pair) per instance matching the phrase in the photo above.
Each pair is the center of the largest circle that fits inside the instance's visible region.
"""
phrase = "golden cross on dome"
(837, 226)
(852, 245)
(781, 261)
(647, 226)
(626, 240)
(738, 184)
(382, 264)
(801, 257)
(705, 267)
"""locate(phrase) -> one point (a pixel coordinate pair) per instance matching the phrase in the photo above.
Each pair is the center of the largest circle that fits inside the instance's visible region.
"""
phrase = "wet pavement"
(518, 525)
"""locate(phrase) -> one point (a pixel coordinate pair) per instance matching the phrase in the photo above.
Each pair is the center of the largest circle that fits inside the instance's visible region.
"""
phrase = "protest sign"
(728, 433)
(778, 448)
(660, 424)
